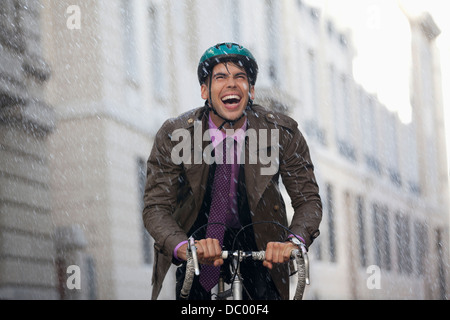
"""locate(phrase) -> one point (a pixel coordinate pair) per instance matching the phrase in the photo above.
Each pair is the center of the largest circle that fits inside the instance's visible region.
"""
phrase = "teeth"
(231, 97)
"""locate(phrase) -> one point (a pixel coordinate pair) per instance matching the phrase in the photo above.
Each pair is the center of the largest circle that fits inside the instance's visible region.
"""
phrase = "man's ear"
(204, 91)
(252, 92)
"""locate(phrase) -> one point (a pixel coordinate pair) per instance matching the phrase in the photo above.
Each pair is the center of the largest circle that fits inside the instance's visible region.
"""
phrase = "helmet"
(224, 52)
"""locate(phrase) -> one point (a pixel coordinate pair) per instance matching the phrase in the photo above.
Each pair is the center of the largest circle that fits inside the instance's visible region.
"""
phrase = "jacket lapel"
(197, 170)
(256, 182)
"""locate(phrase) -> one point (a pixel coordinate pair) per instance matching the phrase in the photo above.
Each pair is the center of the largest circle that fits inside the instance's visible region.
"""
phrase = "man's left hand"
(278, 252)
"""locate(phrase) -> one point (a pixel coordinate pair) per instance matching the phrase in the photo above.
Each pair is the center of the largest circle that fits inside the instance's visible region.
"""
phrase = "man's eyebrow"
(219, 74)
(227, 74)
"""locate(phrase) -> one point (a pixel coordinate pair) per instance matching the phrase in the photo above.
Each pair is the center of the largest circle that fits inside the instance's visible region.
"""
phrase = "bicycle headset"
(221, 53)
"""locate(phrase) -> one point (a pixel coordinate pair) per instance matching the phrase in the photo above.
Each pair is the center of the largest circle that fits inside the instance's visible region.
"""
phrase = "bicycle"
(300, 257)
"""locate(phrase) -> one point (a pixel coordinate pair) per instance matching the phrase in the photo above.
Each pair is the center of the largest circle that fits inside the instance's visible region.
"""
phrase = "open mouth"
(231, 101)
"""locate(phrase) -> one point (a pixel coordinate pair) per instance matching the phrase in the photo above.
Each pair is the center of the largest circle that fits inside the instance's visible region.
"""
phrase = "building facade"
(27, 250)
(121, 68)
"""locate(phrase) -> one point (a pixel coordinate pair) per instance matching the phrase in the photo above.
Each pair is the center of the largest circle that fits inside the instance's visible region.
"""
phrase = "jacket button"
(270, 116)
(190, 121)
(276, 207)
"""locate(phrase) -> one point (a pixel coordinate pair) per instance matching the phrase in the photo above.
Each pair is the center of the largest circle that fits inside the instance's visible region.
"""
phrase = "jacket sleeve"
(297, 172)
(160, 197)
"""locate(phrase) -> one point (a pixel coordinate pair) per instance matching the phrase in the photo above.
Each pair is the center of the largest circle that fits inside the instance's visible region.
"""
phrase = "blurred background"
(85, 85)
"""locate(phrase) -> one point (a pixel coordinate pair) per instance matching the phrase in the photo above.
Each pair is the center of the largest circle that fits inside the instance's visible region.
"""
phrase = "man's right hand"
(208, 252)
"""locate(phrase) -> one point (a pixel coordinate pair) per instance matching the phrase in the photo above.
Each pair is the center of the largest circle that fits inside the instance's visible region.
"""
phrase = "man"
(183, 194)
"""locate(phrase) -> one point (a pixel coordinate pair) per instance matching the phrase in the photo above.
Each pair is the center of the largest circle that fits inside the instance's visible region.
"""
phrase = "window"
(129, 41)
(91, 278)
(313, 79)
(369, 132)
(8, 13)
(156, 53)
(390, 152)
(235, 20)
(331, 222)
(386, 239)
(421, 243)
(402, 232)
(146, 238)
(411, 164)
(272, 40)
(10, 34)
(441, 273)
(312, 126)
(314, 14)
(341, 102)
(318, 247)
(361, 230)
(325, 247)
(381, 236)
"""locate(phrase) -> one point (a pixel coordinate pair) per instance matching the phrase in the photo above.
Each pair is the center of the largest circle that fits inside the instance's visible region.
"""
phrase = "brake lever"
(306, 260)
(194, 255)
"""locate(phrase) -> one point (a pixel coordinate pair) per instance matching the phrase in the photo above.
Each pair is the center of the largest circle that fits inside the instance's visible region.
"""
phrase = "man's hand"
(278, 252)
(208, 252)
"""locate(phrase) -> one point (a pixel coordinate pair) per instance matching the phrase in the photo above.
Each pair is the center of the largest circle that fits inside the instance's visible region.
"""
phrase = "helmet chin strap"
(208, 103)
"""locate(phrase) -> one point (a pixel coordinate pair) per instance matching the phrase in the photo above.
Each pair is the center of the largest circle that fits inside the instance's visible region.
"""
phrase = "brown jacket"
(174, 193)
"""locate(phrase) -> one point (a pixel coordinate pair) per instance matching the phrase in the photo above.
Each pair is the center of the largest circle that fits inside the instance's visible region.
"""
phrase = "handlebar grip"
(189, 277)
(256, 255)
(259, 255)
(306, 262)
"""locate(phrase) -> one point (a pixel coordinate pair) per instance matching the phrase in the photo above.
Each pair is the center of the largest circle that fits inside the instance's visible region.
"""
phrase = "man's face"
(229, 92)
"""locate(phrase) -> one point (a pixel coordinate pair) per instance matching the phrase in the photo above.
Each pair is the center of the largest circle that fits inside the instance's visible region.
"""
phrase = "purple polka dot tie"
(220, 204)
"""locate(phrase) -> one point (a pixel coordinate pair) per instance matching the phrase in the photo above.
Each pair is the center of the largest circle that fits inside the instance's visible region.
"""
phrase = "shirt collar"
(217, 135)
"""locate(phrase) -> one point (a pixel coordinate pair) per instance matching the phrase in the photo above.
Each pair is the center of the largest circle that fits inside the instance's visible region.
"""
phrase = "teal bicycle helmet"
(224, 52)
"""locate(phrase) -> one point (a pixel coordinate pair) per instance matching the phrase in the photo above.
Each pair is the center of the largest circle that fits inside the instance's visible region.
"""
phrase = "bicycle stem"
(237, 284)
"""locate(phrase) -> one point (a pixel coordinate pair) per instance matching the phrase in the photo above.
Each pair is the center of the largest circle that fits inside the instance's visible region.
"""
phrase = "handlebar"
(299, 255)
(301, 259)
